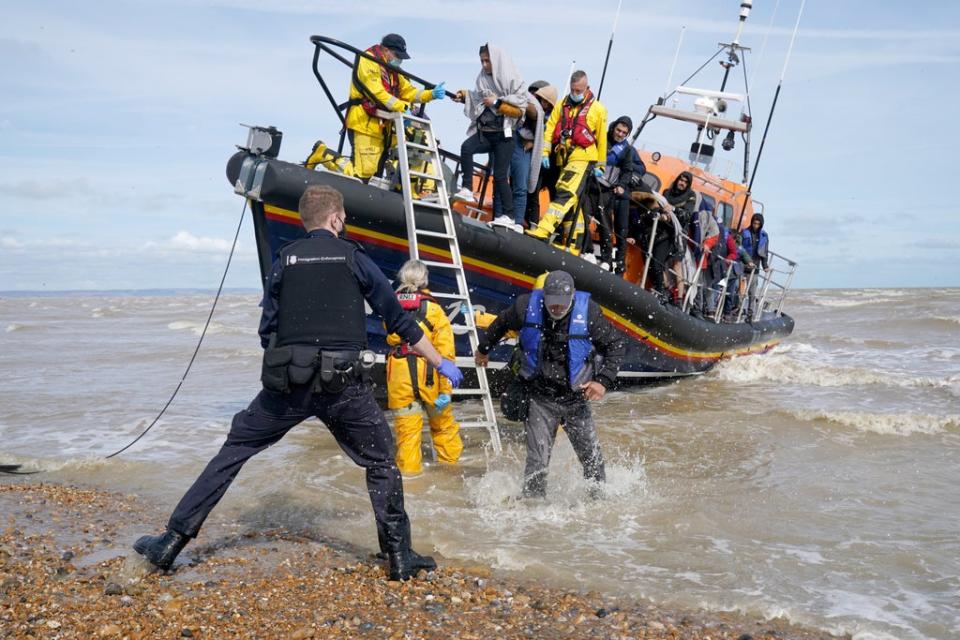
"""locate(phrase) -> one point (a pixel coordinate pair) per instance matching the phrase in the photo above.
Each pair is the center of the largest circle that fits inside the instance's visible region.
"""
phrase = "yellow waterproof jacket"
(399, 389)
(369, 74)
(596, 122)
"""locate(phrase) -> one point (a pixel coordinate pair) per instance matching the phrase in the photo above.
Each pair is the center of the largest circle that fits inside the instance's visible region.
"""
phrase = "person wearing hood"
(560, 331)
(545, 98)
(669, 250)
(494, 108)
(375, 86)
(525, 162)
(756, 245)
(578, 148)
(608, 199)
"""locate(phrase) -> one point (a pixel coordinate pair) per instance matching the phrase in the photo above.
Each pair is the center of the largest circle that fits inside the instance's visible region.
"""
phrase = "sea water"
(820, 481)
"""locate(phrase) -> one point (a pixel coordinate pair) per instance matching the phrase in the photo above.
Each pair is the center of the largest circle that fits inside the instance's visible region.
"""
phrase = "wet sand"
(67, 571)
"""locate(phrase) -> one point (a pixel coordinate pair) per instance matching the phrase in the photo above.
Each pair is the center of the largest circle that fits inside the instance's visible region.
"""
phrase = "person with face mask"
(374, 85)
(570, 355)
(577, 146)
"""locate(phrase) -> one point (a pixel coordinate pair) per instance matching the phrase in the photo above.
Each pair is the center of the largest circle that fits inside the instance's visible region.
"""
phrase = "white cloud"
(190, 242)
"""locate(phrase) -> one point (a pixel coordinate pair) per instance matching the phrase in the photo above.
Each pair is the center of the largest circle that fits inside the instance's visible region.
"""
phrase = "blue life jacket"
(760, 250)
(579, 346)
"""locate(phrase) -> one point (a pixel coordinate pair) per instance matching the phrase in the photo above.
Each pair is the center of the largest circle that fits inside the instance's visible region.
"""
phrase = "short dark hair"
(484, 50)
(318, 203)
(577, 75)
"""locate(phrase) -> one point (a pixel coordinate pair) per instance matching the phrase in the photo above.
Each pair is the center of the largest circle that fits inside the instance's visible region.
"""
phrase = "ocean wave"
(779, 367)
(19, 326)
(843, 304)
(953, 320)
(197, 327)
(899, 424)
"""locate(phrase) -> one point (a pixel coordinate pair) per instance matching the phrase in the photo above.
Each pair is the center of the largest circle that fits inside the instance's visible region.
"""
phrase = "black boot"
(407, 563)
(161, 550)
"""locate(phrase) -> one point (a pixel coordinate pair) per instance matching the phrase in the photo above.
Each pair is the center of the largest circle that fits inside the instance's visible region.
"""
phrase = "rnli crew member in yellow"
(313, 331)
(561, 329)
(412, 384)
(374, 85)
(577, 146)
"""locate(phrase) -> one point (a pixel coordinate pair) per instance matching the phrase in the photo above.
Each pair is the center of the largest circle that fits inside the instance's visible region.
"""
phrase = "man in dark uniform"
(313, 330)
(561, 332)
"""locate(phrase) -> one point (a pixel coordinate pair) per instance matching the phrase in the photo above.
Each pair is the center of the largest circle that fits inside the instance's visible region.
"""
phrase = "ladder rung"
(474, 424)
(450, 296)
(469, 392)
(432, 205)
(442, 265)
(414, 145)
(421, 174)
(435, 234)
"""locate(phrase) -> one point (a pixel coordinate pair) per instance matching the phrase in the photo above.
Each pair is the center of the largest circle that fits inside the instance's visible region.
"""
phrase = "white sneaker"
(605, 266)
(503, 221)
(589, 257)
(464, 195)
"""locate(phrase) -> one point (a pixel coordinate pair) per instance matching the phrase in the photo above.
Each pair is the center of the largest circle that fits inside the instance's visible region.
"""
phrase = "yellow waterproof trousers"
(444, 430)
(367, 150)
(565, 207)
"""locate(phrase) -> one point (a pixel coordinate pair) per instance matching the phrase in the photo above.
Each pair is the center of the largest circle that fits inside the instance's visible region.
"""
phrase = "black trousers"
(501, 148)
(612, 213)
(354, 419)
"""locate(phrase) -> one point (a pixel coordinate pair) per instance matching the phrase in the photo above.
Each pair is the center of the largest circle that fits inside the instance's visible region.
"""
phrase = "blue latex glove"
(598, 172)
(442, 401)
(439, 92)
(450, 371)
(545, 163)
(464, 309)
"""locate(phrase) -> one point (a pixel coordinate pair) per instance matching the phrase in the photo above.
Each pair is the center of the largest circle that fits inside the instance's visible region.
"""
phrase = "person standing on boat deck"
(525, 161)
(374, 86)
(682, 202)
(578, 147)
(494, 109)
(313, 331)
(561, 330)
(545, 96)
(756, 245)
(412, 384)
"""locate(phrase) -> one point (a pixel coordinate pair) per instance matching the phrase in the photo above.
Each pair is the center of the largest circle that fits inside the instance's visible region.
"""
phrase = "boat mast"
(606, 61)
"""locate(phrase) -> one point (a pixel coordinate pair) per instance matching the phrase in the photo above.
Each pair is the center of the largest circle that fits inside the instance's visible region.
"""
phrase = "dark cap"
(558, 289)
(397, 44)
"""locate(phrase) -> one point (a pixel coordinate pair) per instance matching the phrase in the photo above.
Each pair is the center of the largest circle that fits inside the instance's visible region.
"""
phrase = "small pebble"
(112, 589)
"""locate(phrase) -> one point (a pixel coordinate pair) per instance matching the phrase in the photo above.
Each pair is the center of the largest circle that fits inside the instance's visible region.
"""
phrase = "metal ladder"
(428, 209)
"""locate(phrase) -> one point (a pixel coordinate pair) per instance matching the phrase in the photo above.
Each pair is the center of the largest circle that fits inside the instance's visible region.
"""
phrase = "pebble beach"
(67, 571)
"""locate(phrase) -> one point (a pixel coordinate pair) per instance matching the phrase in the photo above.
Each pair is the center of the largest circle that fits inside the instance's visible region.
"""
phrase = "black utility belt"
(328, 371)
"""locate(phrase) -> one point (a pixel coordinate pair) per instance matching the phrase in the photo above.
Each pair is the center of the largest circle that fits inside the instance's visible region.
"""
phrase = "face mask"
(395, 63)
(576, 98)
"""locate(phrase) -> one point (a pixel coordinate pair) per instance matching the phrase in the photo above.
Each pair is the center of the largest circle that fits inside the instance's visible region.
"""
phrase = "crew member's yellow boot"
(321, 154)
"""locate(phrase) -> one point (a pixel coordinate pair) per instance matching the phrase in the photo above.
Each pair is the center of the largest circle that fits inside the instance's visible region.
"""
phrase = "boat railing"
(323, 44)
(760, 291)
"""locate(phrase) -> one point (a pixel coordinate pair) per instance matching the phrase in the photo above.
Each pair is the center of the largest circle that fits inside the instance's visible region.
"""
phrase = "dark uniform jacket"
(373, 284)
(554, 375)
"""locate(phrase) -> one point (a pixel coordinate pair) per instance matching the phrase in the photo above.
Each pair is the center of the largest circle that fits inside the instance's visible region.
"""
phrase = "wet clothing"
(570, 126)
(552, 399)
(374, 86)
(349, 411)
(408, 401)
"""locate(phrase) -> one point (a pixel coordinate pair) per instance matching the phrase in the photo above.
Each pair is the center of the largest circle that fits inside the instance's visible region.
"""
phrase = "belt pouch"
(333, 377)
(273, 374)
(303, 364)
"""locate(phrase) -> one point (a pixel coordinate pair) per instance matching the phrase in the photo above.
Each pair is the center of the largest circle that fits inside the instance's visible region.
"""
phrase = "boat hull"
(662, 340)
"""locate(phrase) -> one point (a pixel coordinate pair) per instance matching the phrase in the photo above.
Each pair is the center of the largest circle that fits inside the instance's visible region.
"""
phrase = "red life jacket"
(573, 128)
(389, 79)
(417, 304)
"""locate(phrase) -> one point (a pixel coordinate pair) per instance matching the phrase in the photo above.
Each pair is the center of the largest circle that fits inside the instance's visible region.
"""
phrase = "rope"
(203, 334)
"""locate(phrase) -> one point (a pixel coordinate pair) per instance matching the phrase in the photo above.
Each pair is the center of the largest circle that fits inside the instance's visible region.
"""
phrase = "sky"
(117, 119)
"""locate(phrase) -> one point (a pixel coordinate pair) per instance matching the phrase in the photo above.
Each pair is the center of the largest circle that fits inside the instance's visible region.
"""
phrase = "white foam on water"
(197, 327)
(948, 319)
(779, 367)
(18, 326)
(899, 424)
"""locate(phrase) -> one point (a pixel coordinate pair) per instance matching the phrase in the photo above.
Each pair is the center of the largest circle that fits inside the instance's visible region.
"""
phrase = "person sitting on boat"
(374, 85)
(756, 243)
(607, 199)
(545, 95)
(314, 336)
(578, 148)
(525, 161)
(413, 386)
(561, 330)
(494, 109)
